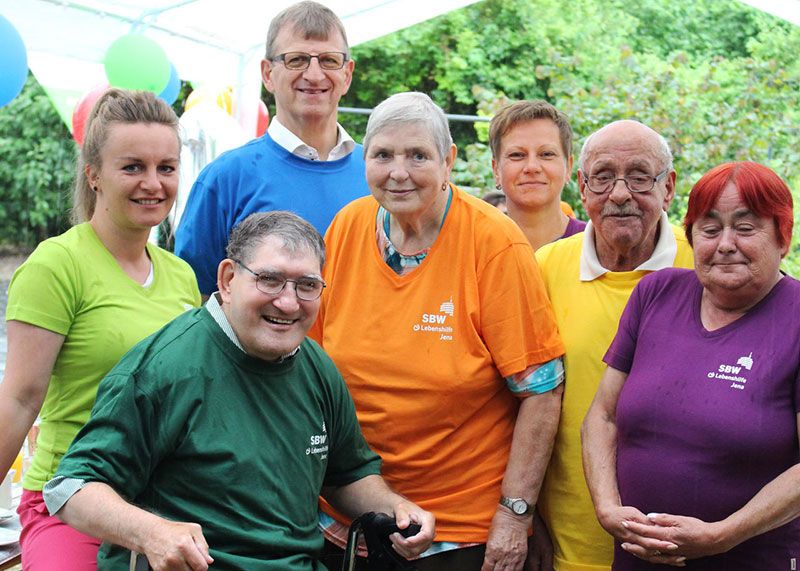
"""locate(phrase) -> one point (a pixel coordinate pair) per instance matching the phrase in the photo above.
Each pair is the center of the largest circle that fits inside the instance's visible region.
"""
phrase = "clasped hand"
(662, 538)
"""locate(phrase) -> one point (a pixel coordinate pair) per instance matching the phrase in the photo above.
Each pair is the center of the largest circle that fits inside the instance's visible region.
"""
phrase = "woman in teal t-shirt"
(84, 298)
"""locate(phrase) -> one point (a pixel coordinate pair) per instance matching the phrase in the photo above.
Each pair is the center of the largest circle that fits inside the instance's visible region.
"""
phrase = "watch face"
(519, 507)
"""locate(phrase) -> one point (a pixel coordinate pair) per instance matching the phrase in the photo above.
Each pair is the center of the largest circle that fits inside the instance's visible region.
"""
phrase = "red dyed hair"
(760, 188)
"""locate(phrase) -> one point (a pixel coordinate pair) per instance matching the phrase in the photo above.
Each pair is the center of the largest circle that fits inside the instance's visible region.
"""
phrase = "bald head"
(632, 132)
(625, 222)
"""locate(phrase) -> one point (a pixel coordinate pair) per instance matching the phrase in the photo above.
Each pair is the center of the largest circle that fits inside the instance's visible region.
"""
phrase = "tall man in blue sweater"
(305, 163)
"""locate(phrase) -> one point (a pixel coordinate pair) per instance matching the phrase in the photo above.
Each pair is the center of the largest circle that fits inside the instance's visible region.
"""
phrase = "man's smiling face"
(311, 95)
(269, 326)
(625, 222)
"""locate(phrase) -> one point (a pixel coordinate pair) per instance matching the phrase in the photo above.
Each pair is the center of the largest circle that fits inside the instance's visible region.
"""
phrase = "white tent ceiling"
(218, 42)
(789, 10)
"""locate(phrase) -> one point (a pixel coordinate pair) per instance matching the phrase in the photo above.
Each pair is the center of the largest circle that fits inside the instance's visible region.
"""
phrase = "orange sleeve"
(315, 332)
(517, 312)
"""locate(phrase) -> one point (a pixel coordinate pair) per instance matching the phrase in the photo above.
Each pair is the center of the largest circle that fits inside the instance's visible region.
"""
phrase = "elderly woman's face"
(734, 249)
(532, 168)
(404, 170)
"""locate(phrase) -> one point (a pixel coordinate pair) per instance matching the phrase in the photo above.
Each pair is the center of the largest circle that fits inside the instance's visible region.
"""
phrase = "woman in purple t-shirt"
(691, 445)
(531, 145)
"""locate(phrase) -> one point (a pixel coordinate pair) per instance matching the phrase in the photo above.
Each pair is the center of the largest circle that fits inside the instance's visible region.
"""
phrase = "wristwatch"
(517, 505)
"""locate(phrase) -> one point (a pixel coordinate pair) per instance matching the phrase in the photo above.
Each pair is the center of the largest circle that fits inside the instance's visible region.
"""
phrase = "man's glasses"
(298, 61)
(604, 182)
(307, 289)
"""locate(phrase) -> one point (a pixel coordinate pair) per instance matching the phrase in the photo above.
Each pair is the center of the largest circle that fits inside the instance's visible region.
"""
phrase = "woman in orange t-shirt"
(437, 316)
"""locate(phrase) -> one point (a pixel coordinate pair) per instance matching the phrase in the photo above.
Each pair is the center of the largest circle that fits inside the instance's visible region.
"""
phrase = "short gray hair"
(310, 19)
(296, 233)
(662, 149)
(411, 108)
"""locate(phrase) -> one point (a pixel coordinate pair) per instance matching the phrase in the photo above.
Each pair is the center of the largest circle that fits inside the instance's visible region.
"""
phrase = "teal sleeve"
(542, 379)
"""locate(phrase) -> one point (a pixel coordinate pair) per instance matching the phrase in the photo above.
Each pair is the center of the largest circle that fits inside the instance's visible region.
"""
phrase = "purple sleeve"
(620, 353)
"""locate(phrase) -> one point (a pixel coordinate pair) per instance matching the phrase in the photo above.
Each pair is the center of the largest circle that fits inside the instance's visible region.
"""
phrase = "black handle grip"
(376, 529)
(386, 525)
(412, 529)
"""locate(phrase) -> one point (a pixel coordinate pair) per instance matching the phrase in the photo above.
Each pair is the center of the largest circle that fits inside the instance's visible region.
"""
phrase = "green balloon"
(136, 62)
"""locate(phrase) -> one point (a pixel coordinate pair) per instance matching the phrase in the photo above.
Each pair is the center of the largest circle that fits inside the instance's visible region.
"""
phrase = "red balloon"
(263, 119)
(254, 117)
(82, 110)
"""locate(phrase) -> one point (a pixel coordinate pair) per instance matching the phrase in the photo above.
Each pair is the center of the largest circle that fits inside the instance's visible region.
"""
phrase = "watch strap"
(509, 503)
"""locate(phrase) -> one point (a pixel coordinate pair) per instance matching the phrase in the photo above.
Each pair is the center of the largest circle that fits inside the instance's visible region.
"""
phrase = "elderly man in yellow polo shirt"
(627, 182)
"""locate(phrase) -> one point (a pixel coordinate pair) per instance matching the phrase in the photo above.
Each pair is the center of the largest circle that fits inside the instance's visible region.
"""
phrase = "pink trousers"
(48, 544)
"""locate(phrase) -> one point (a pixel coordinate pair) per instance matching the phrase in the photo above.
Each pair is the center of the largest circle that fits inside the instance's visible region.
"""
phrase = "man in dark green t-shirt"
(231, 419)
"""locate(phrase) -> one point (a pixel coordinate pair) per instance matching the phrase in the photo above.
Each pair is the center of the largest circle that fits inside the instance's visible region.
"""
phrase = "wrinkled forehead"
(623, 163)
(273, 252)
(624, 146)
(401, 133)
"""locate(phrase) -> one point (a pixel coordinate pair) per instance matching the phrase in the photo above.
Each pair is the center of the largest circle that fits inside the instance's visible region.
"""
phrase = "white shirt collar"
(295, 145)
(663, 255)
(214, 307)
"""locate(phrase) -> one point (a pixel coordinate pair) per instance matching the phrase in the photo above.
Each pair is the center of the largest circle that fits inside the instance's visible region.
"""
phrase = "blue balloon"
(13, 62)
(173, 88)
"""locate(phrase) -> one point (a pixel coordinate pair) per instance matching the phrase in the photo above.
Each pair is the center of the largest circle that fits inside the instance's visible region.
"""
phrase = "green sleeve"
(124, 439)
(351, 457)
(45, 290)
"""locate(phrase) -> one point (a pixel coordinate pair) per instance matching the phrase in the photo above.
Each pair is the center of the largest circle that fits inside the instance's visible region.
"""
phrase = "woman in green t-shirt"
(82, 299)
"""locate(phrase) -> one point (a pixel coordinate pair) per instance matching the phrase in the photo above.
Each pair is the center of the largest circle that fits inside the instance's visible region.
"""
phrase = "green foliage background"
(36, 169)
(720, 80)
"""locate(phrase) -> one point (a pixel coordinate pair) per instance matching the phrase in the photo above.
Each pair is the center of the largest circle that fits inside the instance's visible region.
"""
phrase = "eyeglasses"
(307, 289)
(298, 61)
(603, 182)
